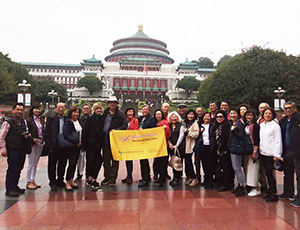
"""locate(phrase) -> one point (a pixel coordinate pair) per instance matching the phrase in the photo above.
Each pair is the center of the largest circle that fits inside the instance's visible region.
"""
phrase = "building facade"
(137, 67)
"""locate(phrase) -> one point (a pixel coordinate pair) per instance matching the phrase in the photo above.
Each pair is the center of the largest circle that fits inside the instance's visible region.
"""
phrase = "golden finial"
(140, 27)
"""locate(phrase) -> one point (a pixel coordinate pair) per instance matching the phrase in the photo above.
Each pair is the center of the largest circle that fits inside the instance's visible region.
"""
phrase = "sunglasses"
(219, 116)
(288, 108)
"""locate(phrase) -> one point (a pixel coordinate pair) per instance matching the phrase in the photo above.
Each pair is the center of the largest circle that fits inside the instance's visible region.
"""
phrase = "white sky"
(67, 31)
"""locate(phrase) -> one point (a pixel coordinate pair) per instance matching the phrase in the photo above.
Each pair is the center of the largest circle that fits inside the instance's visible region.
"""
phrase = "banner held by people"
(138, 144)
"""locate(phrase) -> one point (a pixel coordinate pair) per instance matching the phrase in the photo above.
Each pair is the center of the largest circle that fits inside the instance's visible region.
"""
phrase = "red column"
(128, 85)
(121, 84)
(158, 83)
(151, 86)
(144, 85)
(136, 85)
(166, 83)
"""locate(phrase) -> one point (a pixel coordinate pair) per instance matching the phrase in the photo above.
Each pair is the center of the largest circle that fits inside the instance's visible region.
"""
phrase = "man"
(165, 107)
(200, 112)
(13, 135)
(86, 111)
(146, 121)
(114, 119)
(213, 109)
(57, 155)
(290, 127)
(181, 109)
(226, 108)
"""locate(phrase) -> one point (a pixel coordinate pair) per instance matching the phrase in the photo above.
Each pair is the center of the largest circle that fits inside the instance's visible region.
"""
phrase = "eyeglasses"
(219, 116)
(288, 108)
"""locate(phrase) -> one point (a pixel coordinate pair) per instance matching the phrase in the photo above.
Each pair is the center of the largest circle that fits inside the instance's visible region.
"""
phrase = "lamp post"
(52, 94)
(24, 86)
(279, 92)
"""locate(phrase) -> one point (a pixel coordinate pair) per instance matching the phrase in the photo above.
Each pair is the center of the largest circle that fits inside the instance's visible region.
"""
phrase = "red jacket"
(133, 124)
(167, 129)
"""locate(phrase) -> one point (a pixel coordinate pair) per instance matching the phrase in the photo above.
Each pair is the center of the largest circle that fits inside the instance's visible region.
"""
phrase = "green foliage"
(91, 83)
(189, 84)
(252, 77)
(7, 82)
(45, 86)
(204, 62)
(223, 59)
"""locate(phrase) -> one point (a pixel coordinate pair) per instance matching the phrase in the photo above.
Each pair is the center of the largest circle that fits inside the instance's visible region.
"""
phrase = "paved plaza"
(128, 207)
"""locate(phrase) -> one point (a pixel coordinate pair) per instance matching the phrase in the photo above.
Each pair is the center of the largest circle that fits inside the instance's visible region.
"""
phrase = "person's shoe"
(272, 198)
(37, 186)
(74, 186)
(155, 178)
(234, 191)
(112, 183)
(194, 183)
(222, 189)
(69, 187)
(283, 196)
(78, 178)
(95, 185)
(168, 177)
(88, 182)
(12, 193)
(174, 183)
(295, 203)
(129, 181)
(143, 183)
(188, 181)
(53, 188)
(248, 188)
(160, 184)
(105, 181)
(208, 185)
(31, 186)
(124, 181)
(240, 191)
(61, 184)
(21, 190)
(204, 183)
(254, 192)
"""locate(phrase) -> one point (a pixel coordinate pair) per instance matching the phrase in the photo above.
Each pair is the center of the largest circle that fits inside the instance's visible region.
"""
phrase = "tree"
(252, 77)
(189, 84)
(204, 62)
(223, 59)
(45, 86)
(91, 83)
(7, 82)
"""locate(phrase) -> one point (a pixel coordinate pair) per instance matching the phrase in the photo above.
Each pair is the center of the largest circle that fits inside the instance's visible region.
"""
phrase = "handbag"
(198, 145)
(241, 147)
(175, 161)
(27, 143)
(62, 143)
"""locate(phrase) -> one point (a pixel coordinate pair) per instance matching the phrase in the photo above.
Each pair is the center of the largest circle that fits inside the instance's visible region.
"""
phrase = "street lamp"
(52, 94)
(279, 92)
(24, 86)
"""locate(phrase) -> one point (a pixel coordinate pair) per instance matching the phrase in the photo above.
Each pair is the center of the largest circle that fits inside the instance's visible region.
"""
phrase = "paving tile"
(180, 194)
(9, 219)
(271, 225)
(121, 217)
(193, 216)
(120, 227)
(214, 203)
(152, 195)
(149, 217)
(184, 204)
(234, 225)
(224, 214)
(48, 219)
(85, 218)
(27, 206)
(154, 204)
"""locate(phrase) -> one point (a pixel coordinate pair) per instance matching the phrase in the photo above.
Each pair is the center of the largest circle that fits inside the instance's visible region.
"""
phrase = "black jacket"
(211, 135)
(239, 132)
(149, 122)
(92, 133)
(51, 131)
(294, 132)
(32, 127)
(70, 133)
(224, 138)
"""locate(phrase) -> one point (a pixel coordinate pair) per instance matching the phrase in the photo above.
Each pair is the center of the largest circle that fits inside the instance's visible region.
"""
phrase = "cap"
(181, 106)
(112, 99)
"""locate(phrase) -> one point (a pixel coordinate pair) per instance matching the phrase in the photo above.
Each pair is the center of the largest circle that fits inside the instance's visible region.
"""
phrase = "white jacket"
(270, 139)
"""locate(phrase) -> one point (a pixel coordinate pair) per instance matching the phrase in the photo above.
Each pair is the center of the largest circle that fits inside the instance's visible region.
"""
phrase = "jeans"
(236, 161)
(189, 166)
(111, 167)
(33, 160)
(15, 161)
(289, 170)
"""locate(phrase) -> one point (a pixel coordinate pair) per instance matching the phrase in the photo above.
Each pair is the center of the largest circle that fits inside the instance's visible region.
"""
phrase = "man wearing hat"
(114, 119)
(181, 109)
(290, 128)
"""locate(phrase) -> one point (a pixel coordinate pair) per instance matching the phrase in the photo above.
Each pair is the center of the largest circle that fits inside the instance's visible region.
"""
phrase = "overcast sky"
(67, 31)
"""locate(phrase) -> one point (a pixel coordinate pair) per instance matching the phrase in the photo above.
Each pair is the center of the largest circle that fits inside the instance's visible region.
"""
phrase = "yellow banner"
(138, 144)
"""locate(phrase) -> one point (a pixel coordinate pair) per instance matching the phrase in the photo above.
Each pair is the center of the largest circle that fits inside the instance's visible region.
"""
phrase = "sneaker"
(95, 185)
(234, 191)
(272, 198)
(143, 183)
(285, 197)
(194, 182)
(105, 181)
(254, 192)
(295, 203)
(12, 193)
(240, 191)
(188, 181)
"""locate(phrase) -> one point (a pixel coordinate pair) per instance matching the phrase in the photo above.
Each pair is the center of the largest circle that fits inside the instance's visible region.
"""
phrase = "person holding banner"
(162, 162)
(145, 122)
(176, 142)
(191, 131)
(114, 119)
(133, 124)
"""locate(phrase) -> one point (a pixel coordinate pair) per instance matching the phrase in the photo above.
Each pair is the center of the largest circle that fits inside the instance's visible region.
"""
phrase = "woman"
(224, 171)
(270, 150)
(72, 133)
(36, 127)
(162, 162)
(208, 154)
(92, 142)
(242, 110)
(176, 142)
(236, 137)
(133, 124)
(251, 161)
(191, 132)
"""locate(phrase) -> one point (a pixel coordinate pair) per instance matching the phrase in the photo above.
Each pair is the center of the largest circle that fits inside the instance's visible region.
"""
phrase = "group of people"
(227, 143)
